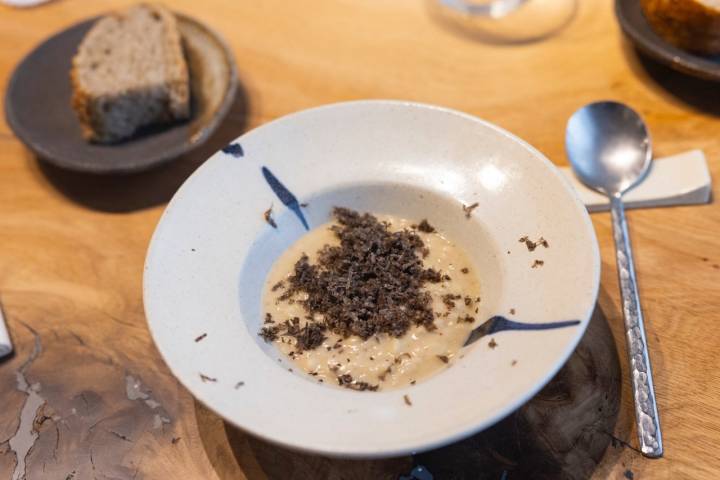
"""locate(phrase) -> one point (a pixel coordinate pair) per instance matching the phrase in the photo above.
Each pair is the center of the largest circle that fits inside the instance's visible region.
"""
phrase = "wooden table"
(88, 396)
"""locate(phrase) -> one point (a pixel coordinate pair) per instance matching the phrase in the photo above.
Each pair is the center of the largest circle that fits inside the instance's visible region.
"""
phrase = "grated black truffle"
(346, 380)
(270, 333)
(531, 246)
(425, 227)
(370, 284)
(267, 215)
(469, 208)
(308, 337)
(449, 300)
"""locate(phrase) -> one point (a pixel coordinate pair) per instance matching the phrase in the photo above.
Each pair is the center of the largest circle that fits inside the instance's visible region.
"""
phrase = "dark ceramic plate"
(37, 105)
(636, 27)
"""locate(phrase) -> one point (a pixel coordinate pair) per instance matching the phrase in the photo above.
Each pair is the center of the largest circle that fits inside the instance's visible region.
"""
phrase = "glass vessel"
(508, 21)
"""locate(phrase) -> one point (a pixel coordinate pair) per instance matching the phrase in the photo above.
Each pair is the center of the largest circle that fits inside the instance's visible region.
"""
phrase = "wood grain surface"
(88, 396)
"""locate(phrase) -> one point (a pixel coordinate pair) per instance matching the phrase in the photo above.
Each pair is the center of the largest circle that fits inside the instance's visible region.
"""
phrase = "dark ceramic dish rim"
(197, 139)
(647, 41)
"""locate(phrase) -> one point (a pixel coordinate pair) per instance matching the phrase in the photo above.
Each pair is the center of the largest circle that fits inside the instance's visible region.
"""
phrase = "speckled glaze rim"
(255, 410)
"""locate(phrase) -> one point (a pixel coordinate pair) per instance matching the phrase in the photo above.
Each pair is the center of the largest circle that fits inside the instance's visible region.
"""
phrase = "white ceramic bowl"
(212, 249)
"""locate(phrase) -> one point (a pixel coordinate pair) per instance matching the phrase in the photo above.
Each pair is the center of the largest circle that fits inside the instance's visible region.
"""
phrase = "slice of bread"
(130, 72)
(692, 25)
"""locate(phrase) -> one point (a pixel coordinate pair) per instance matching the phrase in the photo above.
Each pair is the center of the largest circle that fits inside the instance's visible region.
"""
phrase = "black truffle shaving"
(370, 284)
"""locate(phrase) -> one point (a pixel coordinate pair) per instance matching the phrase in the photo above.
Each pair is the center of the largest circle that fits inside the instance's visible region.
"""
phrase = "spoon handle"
(646, 414)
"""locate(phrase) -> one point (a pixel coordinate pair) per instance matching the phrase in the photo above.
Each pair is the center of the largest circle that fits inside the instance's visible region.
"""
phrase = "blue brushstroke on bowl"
(500, 324)
(285, 195)
(234, 149)
(417, 473)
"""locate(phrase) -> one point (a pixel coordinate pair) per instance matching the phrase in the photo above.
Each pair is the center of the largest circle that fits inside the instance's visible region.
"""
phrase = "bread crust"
(687, 24)
(81, 104)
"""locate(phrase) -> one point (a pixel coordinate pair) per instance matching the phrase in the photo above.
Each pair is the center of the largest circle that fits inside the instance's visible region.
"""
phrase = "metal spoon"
(609, 150)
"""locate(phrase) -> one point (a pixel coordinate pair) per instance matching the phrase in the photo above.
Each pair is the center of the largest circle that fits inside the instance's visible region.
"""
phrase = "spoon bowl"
(609, 147)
